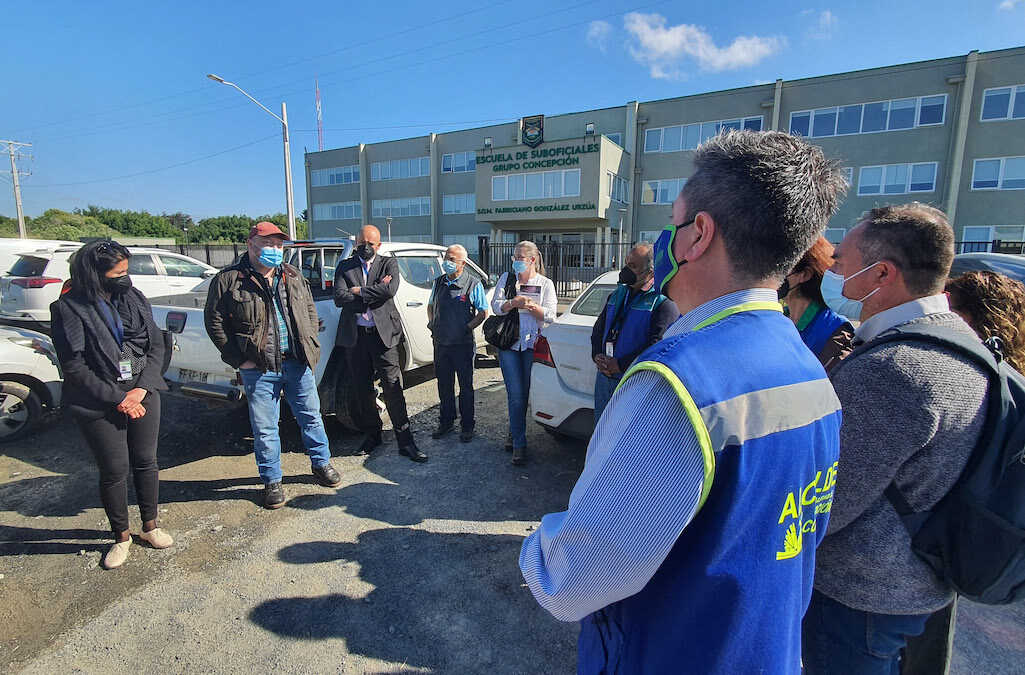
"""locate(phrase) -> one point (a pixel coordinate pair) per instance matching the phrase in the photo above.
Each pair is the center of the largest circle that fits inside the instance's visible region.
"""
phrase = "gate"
(570, 266)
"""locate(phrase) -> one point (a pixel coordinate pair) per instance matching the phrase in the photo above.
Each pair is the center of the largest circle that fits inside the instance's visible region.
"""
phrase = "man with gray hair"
(912, 413)
(689, 540)
(635, 317)
(457, 306)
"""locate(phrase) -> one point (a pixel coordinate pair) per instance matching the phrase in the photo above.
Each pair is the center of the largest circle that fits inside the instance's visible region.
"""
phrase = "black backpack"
(974, 538)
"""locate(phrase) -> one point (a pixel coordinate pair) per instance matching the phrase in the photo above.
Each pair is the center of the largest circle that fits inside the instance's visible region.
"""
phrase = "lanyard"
(113, 320)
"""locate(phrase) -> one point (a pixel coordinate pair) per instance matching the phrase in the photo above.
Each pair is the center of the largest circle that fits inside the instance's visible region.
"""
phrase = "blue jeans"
(604, 387)
(516, 367)
(838, 639)
(263, 394)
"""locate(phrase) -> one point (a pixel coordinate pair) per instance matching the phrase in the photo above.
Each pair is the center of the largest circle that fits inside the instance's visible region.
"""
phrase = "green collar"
(809, 315)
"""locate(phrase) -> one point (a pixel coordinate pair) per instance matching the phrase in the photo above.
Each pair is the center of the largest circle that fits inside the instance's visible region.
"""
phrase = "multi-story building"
(949, 132)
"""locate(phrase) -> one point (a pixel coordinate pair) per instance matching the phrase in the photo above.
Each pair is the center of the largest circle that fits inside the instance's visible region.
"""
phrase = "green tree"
(222, 229)
(132, 223)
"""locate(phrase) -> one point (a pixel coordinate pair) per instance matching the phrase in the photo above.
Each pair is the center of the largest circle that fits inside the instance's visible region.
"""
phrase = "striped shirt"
(639, 489)
(279, 313)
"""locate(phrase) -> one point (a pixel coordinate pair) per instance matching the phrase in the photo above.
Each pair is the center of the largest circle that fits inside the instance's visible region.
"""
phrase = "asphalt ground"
(404, 568)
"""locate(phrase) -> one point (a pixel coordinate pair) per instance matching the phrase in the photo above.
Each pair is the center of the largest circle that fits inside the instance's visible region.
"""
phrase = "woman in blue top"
(827, 334)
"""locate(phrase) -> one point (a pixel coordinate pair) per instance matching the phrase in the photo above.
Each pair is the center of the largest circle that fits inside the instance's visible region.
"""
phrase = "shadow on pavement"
(31, 540)
(449, 602)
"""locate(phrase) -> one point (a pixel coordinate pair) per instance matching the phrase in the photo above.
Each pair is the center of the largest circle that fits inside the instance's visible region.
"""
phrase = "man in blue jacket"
(689, 541)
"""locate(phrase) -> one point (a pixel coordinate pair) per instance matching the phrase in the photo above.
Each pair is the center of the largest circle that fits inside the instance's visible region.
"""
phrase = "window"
(571, 179)
(180, 267)
(662, 191)
(401, 208)
(897, 179)
(866, 118)
(1002, 173)
(401, 168)
(517, 187)
(589, 129)
(342, 175)
(420, 271)
(142, 263)
(338, 211)
(616, 138)
(309, 265)
(458, 162)
(618, 188)
(498, 188)
(1004, 103)
(535, 188)
(464, 203)
(689, 136)
(536, 185)
(592, 302)
(834, 235)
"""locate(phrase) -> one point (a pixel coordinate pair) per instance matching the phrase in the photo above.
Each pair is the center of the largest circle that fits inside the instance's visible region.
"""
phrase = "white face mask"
(832, 292)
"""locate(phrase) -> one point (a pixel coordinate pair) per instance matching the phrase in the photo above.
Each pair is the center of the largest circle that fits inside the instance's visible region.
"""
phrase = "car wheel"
(20, 410)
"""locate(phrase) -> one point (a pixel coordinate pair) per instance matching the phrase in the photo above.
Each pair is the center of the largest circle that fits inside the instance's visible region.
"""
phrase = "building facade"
(949, 132)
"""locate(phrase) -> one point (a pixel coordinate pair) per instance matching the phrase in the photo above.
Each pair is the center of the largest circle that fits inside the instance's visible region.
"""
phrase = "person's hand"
(386, 279)
(611, 367)
(136, 412)
(519, 302)
(355, 290)
(132, 400)
(247, 365)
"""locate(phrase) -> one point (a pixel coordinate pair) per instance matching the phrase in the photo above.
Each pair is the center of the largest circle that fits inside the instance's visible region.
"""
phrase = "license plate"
(186, 375)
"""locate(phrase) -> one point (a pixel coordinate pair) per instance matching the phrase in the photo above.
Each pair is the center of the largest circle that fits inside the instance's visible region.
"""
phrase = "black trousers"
(367, 360)
(451, 362)
(120, 443)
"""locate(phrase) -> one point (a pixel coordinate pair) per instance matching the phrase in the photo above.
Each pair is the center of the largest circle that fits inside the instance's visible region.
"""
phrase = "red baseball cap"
(265, 229)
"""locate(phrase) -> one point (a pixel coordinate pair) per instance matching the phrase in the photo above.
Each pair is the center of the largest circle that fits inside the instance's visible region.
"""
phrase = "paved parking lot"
(405, 568)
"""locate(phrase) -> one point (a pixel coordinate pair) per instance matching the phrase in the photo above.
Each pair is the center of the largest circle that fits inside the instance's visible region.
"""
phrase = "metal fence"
(995, 246)
(570, 266)
(215, 255)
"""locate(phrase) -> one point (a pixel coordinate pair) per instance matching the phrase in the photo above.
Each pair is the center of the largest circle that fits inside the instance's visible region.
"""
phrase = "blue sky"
(105, 90)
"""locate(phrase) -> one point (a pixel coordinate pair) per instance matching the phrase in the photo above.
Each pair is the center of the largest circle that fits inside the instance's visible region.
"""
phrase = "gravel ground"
(404, 568)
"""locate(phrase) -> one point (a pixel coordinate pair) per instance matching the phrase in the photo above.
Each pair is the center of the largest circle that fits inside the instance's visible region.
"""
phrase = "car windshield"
(593, 300)
(1011, 269)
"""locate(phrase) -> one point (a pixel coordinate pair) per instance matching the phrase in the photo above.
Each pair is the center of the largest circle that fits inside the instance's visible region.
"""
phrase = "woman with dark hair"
(994, 306)
(112, 353)
(827, 334)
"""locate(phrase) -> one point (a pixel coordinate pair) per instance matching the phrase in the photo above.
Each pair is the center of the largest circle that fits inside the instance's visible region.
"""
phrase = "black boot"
(407, 447)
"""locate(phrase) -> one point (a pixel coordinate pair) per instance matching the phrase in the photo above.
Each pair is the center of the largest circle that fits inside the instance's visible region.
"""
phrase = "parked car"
(196, 368)
(30, 381)
(11, 247)
(36, 278)
(562, 379)
(1011, 265)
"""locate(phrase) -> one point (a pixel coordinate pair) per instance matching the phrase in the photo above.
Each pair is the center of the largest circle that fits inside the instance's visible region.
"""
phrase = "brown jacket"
(238, 308)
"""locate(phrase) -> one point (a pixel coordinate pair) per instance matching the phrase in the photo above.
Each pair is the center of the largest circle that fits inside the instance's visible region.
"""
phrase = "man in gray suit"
(370, 330)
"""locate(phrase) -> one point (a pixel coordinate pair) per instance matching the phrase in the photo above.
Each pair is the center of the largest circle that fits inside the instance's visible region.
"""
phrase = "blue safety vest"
(632, 323)
(821, 328)
(730, 595)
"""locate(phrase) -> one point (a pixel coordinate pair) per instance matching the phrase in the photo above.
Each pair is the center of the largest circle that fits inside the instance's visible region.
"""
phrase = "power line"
(162, 168)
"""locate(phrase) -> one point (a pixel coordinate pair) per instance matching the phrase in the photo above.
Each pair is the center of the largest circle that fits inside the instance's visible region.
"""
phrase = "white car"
(30, 381)
(562, 379)
(36, 278)
(196, 368)
(11, 247)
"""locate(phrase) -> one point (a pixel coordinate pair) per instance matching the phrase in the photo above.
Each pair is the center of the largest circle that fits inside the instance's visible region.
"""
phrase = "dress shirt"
(639, 489)
(875, 326)
(366, 318)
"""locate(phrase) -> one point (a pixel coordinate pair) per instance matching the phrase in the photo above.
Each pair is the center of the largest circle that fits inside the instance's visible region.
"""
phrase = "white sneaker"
(117, 555)
(156, 538)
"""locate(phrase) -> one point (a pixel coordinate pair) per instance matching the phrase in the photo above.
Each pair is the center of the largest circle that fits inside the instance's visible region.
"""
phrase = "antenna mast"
(320, 120)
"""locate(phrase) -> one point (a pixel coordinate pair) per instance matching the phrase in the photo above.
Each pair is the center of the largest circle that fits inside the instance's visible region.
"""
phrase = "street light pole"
(388, 220)
(284, 137)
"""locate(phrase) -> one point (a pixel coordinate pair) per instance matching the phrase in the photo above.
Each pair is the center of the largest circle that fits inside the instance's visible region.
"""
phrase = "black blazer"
(89, 354)
(374, 294)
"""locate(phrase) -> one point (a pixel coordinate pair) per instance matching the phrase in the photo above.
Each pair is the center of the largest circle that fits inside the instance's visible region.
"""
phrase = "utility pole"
(13, 152)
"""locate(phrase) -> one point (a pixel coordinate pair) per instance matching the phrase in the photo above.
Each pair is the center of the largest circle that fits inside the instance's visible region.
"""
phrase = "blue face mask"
(449, 266)
(271, 256)
(666, 264)
(832, 292)
(520, 266)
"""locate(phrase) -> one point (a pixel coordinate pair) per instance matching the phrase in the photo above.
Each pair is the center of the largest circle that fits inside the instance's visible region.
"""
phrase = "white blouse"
(530, 328)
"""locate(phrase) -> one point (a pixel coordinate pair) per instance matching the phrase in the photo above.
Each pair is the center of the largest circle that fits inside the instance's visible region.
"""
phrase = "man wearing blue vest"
(457, 306)
(689, 541)
(635, 317)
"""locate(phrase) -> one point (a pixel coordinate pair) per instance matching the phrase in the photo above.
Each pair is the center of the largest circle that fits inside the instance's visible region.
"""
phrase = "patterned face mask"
(666, 264)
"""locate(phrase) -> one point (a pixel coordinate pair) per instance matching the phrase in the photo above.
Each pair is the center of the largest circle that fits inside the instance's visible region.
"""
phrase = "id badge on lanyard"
(610, 343)
(125, 366)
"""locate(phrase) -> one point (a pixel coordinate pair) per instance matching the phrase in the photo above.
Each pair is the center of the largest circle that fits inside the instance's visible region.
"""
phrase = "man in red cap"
(261, 317)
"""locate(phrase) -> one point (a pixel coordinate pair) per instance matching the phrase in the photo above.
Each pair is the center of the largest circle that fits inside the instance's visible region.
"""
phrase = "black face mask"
(784, 290)
(117, 285)
(365, 251)
(627, 276)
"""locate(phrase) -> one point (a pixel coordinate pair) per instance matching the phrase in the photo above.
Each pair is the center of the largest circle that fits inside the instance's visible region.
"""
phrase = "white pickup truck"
(196, 368)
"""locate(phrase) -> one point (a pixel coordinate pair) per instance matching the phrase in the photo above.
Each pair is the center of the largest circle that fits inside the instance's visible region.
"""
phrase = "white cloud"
(825, 25)
(1010, 4)
(664, 49)
(598, 33)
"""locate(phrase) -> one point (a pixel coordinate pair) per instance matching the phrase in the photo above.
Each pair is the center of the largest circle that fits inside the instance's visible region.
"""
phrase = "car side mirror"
(209, 274)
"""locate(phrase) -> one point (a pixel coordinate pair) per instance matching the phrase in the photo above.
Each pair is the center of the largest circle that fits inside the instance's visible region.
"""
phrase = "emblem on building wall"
(533, 130)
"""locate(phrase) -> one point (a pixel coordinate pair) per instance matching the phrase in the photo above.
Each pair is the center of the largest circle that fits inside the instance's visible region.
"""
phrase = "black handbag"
(504, 331)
